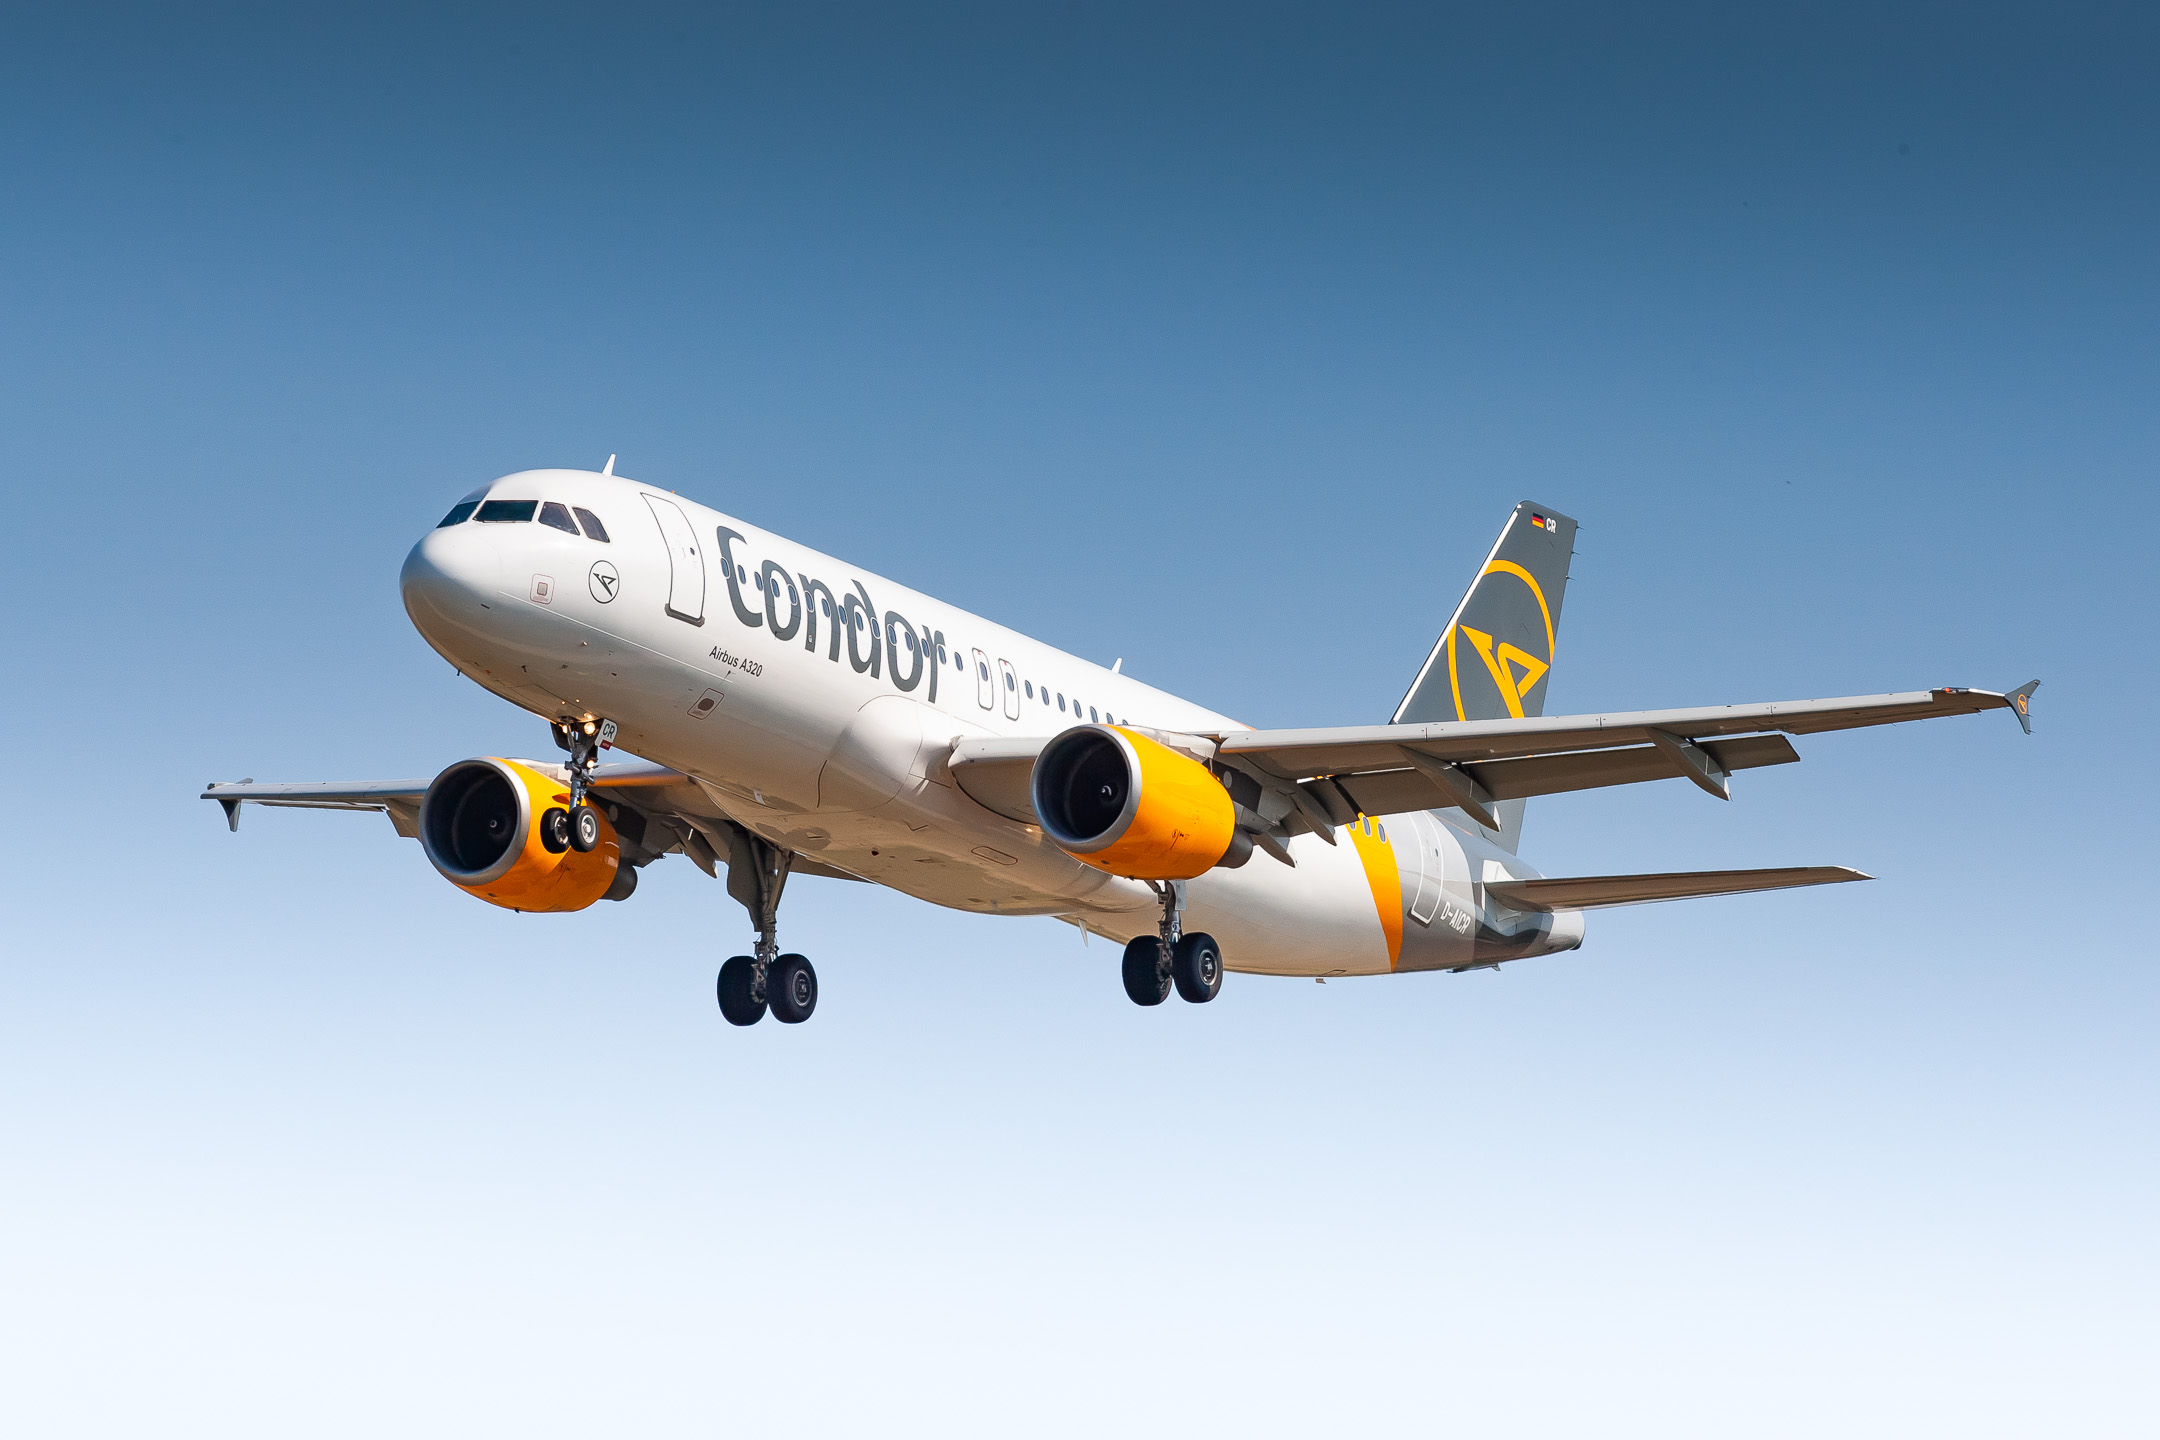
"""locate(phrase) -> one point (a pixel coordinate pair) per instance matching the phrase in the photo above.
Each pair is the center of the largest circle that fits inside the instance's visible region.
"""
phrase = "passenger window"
(1061, 704)
(459, 513)
(941, 654)
(558, 515)
(1091, 713)
(985, 669)
(591, 522)
(1031, 689)
(505, 511)
(1008, 680)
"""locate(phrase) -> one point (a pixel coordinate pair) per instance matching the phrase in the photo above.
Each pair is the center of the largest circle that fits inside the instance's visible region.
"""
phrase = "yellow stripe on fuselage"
(1378, 858)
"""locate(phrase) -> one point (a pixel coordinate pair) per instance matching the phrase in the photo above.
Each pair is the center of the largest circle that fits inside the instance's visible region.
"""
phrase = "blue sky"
(1219, 340)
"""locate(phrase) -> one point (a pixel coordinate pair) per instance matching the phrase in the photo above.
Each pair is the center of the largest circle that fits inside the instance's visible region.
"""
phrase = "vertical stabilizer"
(1495, 658)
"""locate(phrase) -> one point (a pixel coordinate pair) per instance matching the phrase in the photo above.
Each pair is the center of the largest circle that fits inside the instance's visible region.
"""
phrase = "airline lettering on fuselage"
(896, 650)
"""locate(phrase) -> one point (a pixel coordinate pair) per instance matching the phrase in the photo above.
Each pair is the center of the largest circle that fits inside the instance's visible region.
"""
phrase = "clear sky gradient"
(1216, 339)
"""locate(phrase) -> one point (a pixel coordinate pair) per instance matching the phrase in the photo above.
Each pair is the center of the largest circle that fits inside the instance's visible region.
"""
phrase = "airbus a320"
(794, 714)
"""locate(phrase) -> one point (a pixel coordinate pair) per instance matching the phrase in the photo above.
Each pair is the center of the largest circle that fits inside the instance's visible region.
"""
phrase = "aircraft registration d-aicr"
(797, 715)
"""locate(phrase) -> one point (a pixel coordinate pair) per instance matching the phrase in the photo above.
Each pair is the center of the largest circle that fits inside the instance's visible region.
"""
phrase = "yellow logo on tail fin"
(1502, 667)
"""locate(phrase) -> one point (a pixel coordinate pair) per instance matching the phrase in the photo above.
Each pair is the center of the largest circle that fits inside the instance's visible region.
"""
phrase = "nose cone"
(449, 580)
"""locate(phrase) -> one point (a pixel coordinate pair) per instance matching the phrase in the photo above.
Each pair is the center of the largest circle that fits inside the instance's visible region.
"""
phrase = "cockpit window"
(459, 513)
(503, 510)
(557, 514)
(592, 524)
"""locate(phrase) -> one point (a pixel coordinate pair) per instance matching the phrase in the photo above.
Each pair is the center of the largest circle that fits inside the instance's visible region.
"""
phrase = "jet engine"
(488, 826)
(1115, 799)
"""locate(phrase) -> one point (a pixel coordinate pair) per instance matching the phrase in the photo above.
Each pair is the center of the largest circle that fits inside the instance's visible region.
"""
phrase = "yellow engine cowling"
(1115, 799)
(480, 826)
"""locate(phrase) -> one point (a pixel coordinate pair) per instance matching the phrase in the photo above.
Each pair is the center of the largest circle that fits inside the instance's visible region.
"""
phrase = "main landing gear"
(765, 979)
(788, 989)
(1154, 963)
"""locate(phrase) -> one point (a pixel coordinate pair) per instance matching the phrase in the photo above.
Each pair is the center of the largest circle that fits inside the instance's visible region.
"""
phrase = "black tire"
(1147, 971)
(585, 829)
(737, 1004)
(1196, 966)
(791, 987)
(555, 829)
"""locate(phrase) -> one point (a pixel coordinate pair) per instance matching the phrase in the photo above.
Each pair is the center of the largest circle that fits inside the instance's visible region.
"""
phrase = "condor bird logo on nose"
(603, 581)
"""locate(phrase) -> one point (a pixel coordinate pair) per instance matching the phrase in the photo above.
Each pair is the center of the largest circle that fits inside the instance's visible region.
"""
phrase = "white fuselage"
(816, 703)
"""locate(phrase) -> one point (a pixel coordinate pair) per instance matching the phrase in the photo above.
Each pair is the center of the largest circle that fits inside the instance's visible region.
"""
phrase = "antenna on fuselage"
(1119, 667)
(609, 468)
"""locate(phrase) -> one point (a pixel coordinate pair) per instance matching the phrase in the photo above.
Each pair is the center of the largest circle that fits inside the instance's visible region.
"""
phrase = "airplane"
(797, 715)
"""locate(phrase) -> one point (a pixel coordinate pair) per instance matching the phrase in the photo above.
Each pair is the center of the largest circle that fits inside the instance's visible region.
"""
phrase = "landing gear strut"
(764, 979)
(584, 740)
(1153, 964)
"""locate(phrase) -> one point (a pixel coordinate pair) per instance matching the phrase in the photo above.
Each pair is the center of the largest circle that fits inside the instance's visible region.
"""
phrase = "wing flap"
(1392, 792)
(1585, 892)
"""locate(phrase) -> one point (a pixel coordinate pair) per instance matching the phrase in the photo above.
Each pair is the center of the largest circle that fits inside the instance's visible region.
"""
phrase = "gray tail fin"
(1496, 655)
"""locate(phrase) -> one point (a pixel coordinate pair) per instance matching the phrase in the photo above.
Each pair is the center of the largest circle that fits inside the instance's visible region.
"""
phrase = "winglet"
(232, 807)
(2021, 703)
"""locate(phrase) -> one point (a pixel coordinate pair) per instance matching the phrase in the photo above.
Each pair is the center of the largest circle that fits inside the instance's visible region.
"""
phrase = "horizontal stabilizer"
(1584, 892)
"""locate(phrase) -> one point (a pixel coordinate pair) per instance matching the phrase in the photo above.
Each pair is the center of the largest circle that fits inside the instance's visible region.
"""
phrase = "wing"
(1386, 769)
(400, 799)
(656, 811)
(1318, 779)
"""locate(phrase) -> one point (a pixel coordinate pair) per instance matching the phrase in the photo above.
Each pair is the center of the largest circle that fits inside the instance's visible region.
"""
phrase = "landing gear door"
(686, 564)
(1012, 689)
(985, 687)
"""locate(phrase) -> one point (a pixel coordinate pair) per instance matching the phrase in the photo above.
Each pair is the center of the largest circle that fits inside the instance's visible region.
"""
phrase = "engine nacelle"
(480, 826)
(1114, 799)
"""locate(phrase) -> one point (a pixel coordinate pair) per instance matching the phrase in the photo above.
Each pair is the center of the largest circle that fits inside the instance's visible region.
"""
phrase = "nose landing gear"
(579, 827)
